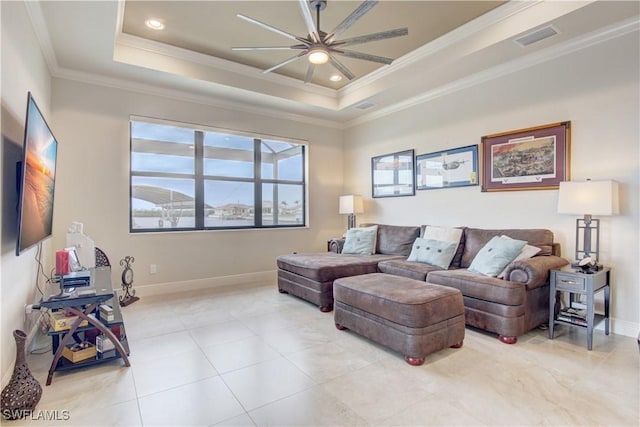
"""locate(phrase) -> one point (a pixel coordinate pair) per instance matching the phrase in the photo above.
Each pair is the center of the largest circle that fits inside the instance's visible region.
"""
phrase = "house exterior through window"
(184, 177)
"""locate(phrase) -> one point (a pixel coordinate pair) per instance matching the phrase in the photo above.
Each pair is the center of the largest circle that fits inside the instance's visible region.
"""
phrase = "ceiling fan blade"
(271, 28)
(364, 56)
(283, 63)
(364, 7)
(308, 20)
(341, 67)
(372, 37)
(310, 70)
(294, 47)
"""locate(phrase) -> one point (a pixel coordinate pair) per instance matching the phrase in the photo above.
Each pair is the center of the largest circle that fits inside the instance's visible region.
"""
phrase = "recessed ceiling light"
(154, 24)
(335, 77)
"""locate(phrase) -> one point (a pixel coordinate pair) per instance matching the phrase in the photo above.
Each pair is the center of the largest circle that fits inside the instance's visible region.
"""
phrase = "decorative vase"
(23, 392)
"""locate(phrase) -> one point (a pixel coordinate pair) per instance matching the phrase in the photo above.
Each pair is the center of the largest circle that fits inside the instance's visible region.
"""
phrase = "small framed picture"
(457, 167)
(535, 158)
(392, 175)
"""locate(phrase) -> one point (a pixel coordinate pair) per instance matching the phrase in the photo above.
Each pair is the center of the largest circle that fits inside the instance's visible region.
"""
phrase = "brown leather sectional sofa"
(508, 307)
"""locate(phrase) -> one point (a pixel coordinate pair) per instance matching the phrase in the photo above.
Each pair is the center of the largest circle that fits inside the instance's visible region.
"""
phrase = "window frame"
(200, 178)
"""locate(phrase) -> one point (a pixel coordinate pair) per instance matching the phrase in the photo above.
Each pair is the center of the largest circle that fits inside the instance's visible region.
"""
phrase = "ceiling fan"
(321, 47)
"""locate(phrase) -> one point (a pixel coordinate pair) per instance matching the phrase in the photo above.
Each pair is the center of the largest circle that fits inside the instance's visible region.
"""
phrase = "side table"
(575, 282)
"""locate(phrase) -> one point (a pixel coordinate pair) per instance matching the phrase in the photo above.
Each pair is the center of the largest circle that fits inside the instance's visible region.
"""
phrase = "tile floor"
(255, 357)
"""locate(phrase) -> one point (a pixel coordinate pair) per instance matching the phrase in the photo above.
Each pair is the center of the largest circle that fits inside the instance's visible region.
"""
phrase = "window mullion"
(257, 186)
(199, 180)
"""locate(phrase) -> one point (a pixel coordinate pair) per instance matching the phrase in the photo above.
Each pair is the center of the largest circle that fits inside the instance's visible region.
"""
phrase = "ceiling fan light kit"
(320, 47)
(318, 55)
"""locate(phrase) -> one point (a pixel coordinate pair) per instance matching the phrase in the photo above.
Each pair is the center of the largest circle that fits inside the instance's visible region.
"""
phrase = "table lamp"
(588, 198)
(351, 205)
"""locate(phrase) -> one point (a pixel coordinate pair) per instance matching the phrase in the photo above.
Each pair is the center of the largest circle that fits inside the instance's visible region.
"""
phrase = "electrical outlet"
(153, 269)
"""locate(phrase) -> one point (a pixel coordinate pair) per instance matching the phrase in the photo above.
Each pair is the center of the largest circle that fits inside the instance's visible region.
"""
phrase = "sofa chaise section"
(310, 276)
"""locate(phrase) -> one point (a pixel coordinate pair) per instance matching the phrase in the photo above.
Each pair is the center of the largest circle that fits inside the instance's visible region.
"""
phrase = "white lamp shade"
(588, 198)
(351, 204)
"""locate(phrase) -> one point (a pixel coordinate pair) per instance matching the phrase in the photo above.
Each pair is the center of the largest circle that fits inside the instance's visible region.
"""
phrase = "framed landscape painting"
(457, 167)
(535, 158)
(392, 175)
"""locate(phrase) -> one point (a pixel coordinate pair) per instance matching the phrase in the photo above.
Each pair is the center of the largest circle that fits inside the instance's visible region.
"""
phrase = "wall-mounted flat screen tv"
(36, 180)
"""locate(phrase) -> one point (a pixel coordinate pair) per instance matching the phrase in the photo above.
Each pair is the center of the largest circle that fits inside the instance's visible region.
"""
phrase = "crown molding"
(40, 28)
(463, 32)
(213, 62)
(596, 37)
(181, 95)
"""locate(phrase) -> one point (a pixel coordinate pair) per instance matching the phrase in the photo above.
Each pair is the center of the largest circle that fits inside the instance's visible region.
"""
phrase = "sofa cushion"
(396, 239)
(457, 258)
(475, 239)
(445, 234)
(360, 241)
(328, 266)
(435, 252)
(402, 267)
(479, 286)
(496, 255)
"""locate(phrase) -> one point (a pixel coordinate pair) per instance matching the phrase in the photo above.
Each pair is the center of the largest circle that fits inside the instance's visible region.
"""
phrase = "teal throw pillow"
(496, 255)
(361, 241)
(435, 252)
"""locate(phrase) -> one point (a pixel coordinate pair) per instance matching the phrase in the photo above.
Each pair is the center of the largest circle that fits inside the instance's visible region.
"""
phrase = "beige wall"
(92, 124)
(23, 70)
(596, 89)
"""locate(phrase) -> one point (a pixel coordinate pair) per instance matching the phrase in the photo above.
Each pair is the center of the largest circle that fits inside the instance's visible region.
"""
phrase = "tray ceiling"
(451, 45)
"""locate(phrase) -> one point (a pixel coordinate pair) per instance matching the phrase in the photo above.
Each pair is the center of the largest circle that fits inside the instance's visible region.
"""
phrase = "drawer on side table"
(569, 282)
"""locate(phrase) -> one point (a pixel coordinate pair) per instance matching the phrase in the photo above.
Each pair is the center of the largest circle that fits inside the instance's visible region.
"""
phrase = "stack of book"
(573, 315)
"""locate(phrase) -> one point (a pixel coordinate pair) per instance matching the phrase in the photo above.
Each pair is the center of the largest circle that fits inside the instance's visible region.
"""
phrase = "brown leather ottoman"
(412, 317)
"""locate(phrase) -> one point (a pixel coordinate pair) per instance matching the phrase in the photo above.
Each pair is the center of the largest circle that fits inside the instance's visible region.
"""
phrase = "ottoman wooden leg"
(508, 340)
(414, 361)
(340, 327)
(458, 345)
(326, 308)
(282, 291)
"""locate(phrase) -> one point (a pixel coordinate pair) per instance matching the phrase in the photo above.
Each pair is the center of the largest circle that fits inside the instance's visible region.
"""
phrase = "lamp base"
(351, 221)
(587, 238)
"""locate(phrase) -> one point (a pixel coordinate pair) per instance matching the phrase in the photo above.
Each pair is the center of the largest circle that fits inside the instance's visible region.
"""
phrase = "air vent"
(536, 36)
(364, 105)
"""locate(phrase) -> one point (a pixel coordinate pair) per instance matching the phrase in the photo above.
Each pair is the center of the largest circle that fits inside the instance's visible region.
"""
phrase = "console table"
(83, 303)
(575, 282)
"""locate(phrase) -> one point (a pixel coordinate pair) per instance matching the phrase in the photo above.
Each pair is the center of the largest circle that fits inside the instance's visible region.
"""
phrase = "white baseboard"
(622, 327)
(261, 278)
(239, 281)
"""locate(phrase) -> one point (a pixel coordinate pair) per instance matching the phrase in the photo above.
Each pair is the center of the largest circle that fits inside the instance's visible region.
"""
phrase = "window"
(185, 178)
